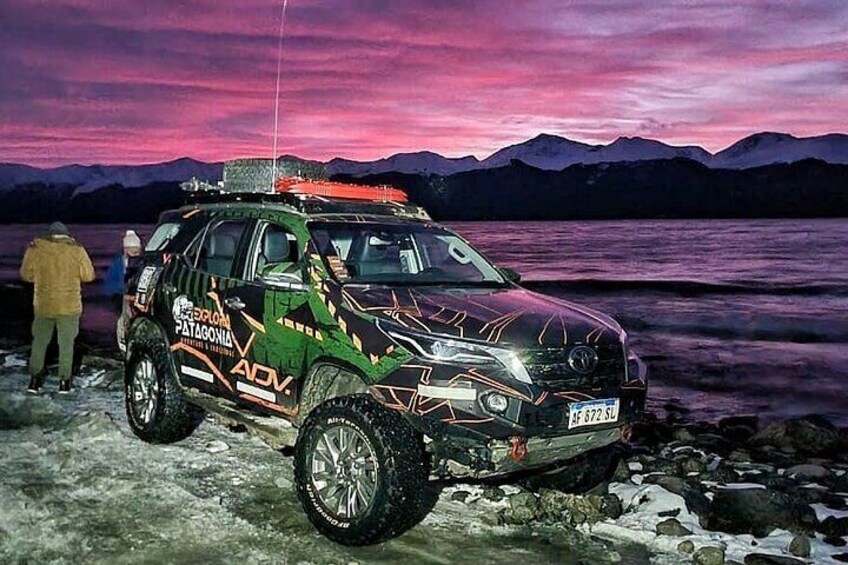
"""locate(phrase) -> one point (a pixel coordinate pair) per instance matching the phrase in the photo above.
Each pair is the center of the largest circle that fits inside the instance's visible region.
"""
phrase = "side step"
(276, 432)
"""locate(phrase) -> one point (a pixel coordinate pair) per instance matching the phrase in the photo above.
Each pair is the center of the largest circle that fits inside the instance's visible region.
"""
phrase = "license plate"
(593, 412)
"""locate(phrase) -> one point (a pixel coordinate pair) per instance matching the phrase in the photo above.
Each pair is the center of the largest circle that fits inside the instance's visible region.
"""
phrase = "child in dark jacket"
(122, 268)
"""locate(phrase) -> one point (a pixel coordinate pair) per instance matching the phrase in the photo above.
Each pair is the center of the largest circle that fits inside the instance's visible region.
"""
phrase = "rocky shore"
(735, 491)
(739, 490)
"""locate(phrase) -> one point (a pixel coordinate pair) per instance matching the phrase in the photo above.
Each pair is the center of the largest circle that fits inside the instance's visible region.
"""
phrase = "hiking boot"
(65, 386)
(35, 382)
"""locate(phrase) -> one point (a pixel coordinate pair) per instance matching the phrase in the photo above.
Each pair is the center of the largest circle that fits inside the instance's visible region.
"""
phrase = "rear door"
(201, 326)
(271, 319)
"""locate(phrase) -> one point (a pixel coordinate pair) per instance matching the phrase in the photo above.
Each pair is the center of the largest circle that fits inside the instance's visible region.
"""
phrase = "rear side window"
(218, 251)
(163, 235)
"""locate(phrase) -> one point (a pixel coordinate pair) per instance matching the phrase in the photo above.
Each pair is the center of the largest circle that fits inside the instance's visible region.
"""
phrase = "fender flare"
(326, 380)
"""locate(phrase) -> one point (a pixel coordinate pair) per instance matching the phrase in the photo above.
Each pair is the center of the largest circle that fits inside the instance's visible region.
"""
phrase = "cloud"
(126, 81)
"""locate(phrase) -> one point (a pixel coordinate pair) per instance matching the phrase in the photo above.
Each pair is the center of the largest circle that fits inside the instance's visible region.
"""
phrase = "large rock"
(800, 546)
(757, 511)
(522, 508)
(708, 556)
(715, 443)
(696, 501)
(672, 527)
(686, 546)
(812, 435)
(611, 506)
(493, 493)
(622, 472)
(834, 527)
(739, 428)
(557, 506)
(807, 472)
(692, 465)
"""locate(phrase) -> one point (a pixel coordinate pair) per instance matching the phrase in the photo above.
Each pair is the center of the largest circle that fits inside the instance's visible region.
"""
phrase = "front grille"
(549, 368)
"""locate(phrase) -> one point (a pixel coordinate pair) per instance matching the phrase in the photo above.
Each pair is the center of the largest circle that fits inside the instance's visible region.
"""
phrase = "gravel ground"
(78, 487)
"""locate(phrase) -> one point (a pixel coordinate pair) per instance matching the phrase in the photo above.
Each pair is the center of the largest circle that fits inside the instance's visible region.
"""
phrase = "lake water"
(735, 316)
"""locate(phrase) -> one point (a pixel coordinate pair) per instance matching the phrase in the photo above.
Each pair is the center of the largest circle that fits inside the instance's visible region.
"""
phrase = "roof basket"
(257, 175)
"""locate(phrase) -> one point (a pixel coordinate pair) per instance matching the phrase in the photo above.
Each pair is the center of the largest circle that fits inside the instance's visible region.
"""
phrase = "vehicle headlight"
(447, 350)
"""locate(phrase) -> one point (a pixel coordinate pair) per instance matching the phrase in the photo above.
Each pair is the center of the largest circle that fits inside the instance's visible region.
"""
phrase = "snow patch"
(823, 512)
(741, 486)
(217, 446)
(14, 360)
(643, 505)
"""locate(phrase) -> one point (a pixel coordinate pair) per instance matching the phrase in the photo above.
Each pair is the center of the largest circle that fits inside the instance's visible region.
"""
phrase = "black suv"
(379, 345)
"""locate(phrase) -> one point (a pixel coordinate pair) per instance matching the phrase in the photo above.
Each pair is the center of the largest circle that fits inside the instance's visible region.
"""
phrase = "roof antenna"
(277, 96)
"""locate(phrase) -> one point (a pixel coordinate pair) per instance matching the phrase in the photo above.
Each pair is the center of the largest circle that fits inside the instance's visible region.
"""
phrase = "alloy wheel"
(144, 391)
(343, 470)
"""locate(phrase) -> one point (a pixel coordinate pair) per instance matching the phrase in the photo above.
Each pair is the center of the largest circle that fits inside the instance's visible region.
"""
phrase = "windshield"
(400, 254)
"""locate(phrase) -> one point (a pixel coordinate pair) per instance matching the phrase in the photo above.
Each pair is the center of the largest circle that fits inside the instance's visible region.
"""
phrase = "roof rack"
(302, 185)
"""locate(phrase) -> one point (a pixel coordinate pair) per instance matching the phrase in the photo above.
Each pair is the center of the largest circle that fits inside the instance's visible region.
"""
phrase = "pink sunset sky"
(132, 81)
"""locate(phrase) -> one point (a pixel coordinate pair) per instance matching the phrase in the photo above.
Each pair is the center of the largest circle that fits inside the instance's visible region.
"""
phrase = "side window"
(217, 253)
(275, 254)
(163, 235)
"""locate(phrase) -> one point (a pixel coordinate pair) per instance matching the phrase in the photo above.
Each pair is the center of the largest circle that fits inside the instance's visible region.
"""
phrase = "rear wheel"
(360, 471)
(157, 410)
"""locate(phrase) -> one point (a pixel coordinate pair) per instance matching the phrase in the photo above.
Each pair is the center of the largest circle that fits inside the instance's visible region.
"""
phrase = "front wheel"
(360, 471)
(157, 410)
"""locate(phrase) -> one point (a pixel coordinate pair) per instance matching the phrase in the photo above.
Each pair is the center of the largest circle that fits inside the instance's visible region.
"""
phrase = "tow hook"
(626, 433)
(517, 448)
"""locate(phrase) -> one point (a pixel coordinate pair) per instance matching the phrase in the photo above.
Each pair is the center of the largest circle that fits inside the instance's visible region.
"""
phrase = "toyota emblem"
(583, 359)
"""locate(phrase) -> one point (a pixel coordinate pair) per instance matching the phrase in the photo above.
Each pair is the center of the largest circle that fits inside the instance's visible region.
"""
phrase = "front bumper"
(447, 404)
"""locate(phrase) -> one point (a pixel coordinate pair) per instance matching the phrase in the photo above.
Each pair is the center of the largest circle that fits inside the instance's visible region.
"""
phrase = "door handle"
(234, 302)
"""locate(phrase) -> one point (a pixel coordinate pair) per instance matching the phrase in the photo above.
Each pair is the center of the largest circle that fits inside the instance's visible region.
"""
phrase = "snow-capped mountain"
(640, 149)
(92, 177)
(769, 148)
(423, 162)
(555, 153)
(544, 151)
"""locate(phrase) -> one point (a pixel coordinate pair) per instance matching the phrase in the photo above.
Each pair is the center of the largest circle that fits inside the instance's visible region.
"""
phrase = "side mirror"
(510, 275)
(284, 281)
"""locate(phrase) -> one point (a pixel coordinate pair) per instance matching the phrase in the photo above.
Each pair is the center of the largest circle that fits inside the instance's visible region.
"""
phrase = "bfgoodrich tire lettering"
(171, 418)
(398, 463)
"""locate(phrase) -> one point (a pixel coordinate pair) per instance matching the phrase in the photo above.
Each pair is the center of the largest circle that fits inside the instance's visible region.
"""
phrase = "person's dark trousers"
(67, 328)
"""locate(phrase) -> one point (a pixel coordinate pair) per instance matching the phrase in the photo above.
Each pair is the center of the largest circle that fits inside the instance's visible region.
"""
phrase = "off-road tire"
(401, 478)
(174, 418)
(589, 473)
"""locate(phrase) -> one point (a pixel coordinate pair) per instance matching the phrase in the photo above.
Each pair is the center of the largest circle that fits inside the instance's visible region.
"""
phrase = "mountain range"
(545, 152)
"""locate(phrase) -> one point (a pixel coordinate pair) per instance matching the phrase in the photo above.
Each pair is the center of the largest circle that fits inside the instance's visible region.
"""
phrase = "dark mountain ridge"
(669, 188)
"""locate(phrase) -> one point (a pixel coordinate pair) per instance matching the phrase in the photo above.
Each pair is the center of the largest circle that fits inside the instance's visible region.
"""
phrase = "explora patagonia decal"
(202, 327)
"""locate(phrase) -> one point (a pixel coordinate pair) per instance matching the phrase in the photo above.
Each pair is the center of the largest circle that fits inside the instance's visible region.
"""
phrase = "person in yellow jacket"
(57, 265)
